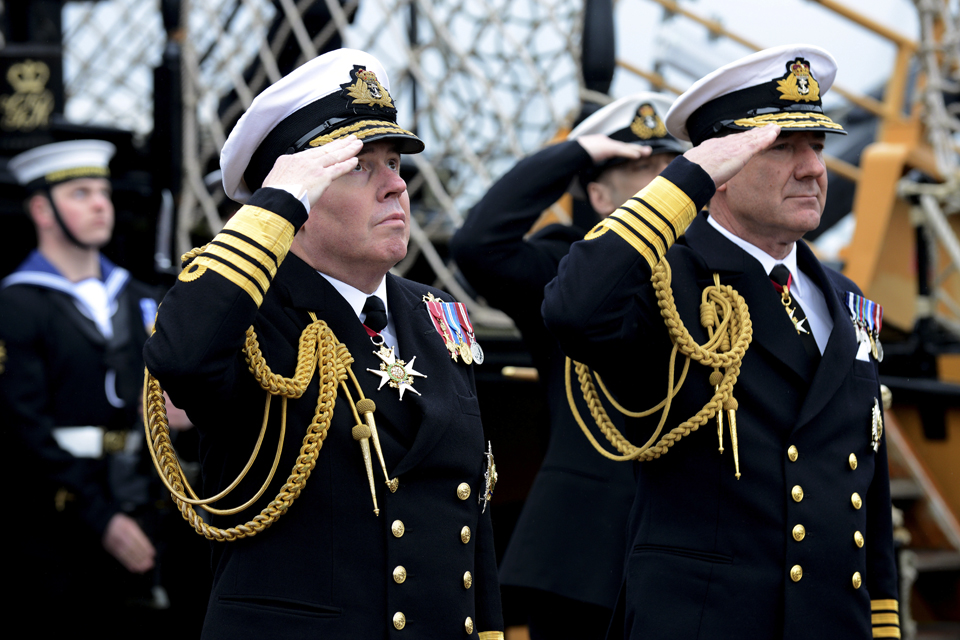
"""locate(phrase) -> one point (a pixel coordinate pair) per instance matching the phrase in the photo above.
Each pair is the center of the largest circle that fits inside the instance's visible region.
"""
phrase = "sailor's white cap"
(782, 85)
(334, 95)
(51, 164)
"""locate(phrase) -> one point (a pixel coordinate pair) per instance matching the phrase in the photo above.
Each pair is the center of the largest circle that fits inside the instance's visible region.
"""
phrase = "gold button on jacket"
(468, 626)
(799, 532)
(857, 581)
(792, 453)
(856, 501)
(463, 491)
(399, 575)
(399, 621)
(397, 528)
(858, 539)
(796, 572)
(853, 461)
(465, 535)
(467, 580)
(797, 493)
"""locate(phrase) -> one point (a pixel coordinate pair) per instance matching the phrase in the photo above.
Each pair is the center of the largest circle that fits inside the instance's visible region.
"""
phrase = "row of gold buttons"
(800, 532)
(400, 572)
(463, 492)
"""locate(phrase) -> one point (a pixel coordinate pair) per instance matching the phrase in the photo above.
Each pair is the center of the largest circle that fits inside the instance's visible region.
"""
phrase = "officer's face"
(362, 220)
(86, 209)
(779, 195)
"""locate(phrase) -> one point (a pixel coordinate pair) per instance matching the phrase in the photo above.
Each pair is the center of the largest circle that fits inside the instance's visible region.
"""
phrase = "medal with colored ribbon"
(470, 336)
(867, 317)
(453, 321)
(434, 306)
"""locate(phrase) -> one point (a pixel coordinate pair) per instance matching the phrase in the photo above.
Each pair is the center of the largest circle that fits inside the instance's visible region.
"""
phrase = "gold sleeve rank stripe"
(253, 243)
(638, 222)
(264, 228)
(239, 262)
(264, 262)
(214, 263)
(885, 605)
(666, 224)
(886, 623)
(885, 618)
(652, 220)
(247, 252)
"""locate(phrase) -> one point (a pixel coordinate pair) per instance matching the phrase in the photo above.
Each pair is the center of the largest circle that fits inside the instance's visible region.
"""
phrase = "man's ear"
(599, 196)
(40, 210)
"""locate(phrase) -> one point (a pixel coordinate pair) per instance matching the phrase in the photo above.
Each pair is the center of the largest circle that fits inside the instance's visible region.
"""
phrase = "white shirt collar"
(356, 298)
(766, 260)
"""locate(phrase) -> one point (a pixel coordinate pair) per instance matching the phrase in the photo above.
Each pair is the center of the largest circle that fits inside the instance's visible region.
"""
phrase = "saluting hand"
(314, 169)
(601, 147)
(722, 158)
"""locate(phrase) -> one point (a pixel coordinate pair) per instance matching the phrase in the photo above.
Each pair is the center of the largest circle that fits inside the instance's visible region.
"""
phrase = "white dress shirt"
(356, 299)
(802, 289)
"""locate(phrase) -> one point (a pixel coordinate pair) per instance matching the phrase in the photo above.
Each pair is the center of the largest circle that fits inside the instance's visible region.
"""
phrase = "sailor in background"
(316, 162)
(567, 549)
(790, 536)
(72, 328)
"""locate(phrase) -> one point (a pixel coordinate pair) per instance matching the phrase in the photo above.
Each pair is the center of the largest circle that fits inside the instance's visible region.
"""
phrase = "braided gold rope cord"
(317, 343)
(728, 342)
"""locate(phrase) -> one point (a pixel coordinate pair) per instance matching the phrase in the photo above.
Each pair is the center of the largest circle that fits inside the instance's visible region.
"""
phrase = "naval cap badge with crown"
(366, 89)
(647, 124)
(799, 84)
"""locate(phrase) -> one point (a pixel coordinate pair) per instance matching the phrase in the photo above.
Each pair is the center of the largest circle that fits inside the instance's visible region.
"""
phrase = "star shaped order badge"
(397, 372)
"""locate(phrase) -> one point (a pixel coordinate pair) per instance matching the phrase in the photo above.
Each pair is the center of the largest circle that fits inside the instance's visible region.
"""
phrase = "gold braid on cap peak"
(790, 120)
(362, 129)
(318, 346)
(724, 313)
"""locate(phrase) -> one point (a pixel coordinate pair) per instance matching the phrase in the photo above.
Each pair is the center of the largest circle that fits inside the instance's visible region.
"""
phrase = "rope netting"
(483, 82)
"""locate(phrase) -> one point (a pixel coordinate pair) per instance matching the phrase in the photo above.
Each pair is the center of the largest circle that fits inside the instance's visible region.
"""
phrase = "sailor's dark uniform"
(63, 373)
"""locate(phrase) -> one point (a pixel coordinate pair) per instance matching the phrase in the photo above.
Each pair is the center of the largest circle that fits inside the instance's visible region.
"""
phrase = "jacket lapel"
(396, 421)
(417, 336)
(772, 327)
(841, 348)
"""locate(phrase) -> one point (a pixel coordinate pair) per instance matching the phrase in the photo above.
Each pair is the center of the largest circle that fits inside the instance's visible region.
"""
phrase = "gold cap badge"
(366, 89)
(647, 124)
(798, 84)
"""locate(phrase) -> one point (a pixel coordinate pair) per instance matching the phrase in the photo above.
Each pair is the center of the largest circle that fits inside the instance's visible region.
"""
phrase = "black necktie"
(782, 279)
(375, 315)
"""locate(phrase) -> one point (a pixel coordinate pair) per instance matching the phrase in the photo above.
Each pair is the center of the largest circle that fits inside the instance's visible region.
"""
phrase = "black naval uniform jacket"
(711, 556)
(571, 535)
(328, 568)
